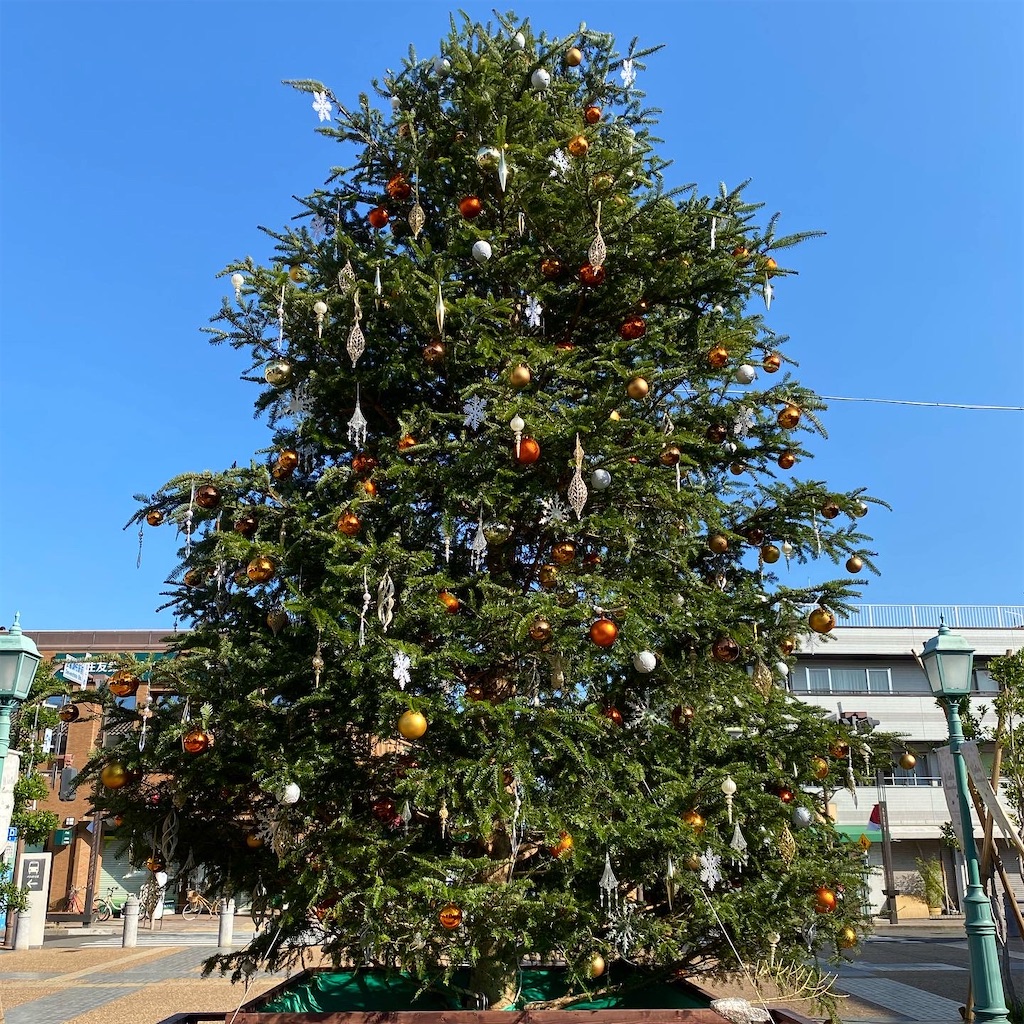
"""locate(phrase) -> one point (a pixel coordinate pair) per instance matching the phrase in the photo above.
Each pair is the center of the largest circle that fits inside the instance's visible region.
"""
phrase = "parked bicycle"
(73, 901)
(197, 904)
(103, 907)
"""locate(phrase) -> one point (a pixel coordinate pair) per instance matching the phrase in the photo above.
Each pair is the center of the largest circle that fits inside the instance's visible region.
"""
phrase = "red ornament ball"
(635, 327)
(471, 207)
(824, 900)
(592, 276)
(378, 217)
(592, 114)
(529, 451)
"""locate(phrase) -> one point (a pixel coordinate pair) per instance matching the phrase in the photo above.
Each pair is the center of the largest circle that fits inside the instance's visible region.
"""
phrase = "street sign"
(47, 741)
(75, 671)
(32, 874)
(12, 834)
(62, 836)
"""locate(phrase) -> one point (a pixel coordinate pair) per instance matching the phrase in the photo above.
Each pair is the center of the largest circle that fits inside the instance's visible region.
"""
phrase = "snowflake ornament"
(533, 311)
(318, 228)
(554, 510)
(744, 422)
(628, 72)
(475, 409)
(710, 868)
(322, 105)
(561, 163)
(403, 663)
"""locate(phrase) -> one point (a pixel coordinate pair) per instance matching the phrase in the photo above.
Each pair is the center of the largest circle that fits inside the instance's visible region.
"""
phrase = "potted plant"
(934, 884)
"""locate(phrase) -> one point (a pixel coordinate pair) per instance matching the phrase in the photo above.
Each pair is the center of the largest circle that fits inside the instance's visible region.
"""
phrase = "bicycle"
(197, 904)
(103, 906)
(73, 901)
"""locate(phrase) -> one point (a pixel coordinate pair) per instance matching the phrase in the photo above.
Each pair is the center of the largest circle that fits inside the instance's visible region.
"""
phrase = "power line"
(933, 405)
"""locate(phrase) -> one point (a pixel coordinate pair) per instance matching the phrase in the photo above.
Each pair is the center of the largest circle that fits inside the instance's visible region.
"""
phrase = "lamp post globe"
(948, 662)
(19, 659)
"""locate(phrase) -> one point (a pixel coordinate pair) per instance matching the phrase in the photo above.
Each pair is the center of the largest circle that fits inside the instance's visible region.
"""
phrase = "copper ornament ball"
(717, 433)
(123, 683)
(548, 576)
(550, 267)
(278, 472)
(718, 543)
(69, 713)
(253, 841)
(694, 820)
(154, 517)
(754, 535)
(830, 510)
(785, 794)
(520, 376)
(638, 388)
(740, 252)
(407, 442)
(563, 552)
(288, 458)
(603, 632)
(840, 749)
(398, 187)
(788, 417)
(471, 207)
(349, 524)
(194, 578)
(378, 217)
(578, 146)
(821, 620)
(907, 761)
(363, 463)
(529, 451)
(196, 741)
(613, 714)
(260, 569)
(787, 646)
(725, 650)
(592, 276)
(718, 357)
(670, 456)
(450, 601)
(246, 525)
(207, 496)
(786, 460)
(770, 554)
(771, 362)
(633, 328)
(824, 900)
(592, 114)
(854, 564)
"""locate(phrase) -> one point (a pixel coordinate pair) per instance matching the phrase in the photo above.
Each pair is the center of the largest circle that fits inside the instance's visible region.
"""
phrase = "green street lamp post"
(948, 660)
(19, 658)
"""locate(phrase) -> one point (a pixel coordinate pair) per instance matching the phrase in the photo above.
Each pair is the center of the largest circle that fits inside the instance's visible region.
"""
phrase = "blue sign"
(12, 834)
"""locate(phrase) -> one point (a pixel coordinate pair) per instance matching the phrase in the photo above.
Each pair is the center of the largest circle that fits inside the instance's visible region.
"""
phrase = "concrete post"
(225, 932)
(130, 917)
(24, 930)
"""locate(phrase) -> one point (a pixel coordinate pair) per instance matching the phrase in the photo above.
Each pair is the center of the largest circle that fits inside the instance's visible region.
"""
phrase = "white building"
(866, 668)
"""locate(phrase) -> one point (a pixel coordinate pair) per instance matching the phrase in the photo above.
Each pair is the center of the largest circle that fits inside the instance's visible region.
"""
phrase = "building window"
(842, 680)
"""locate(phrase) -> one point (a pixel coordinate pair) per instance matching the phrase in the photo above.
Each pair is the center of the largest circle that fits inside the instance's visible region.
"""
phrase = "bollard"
(130, 916)
(24, 927)
(226, 930)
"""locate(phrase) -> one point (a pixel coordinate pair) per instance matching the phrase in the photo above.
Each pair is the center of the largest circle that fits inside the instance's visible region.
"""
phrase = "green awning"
(854, 832)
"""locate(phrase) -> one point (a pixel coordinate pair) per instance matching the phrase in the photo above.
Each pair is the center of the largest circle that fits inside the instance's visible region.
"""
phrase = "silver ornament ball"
(481, 251)
(745, 373)
(519, 40)
(645, 661)
(601, 479)
(540, 79)
(289, 793)
(442, 65)
(801, 817)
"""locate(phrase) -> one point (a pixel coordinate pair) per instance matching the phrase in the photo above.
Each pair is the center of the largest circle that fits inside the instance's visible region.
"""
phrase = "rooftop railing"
(956, 616)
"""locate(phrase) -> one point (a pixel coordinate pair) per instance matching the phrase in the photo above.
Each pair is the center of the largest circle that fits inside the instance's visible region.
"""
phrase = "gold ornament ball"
(197, 741)
(737, 468)
(830, 510)
(154, 517)
(450, 917)
(297, 274)
(772, 362)
(578, 146)
(770, 554)
(725, 649)
(288, 459)
(854, 564)
(638, 388)
(789, 417)
(670, 456)
(253, 841)
(839, 749)
(692, 863)
(208, 496)
(860, 510)
(114, 775)
(156, 863)
(787, 460)
(260, 569)
(819, 767)
(907, 761)
(821, 620)
(278, 373)
(574, 58)
(847, 938)
(718, 357)
(540, 630)
(548, 576)
(596, 966)
(412, 725)
(278, 472)
(563, 552)
(520, 376)
(718, 543)
(787, 646)
(123, 683)
(602, 182)
(694, 820)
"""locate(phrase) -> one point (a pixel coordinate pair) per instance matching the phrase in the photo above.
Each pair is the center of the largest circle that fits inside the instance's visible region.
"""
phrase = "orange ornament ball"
(349, 524)
(772, 362)
(471, 207)
(592, 114)
(563, 848)
(196, 741)
(770, 266)
(786, 460)
(378, 217)
(578, 146)
(253, 841)
(450, 917)
(398, 187)
(786, 795)
(450, 601)
(718, 357)
(592, 276)
(824, 900)
(635, 327)
(788, 417)
(529, 451)
(603, 632)
(123, 683)
(369, 488)
(407, 442)
(154, 517)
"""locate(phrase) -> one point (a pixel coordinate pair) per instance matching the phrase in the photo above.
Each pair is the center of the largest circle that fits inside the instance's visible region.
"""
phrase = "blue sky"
(143, 144)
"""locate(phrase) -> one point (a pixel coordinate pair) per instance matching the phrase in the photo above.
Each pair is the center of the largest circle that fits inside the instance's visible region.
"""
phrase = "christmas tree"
(487, 651)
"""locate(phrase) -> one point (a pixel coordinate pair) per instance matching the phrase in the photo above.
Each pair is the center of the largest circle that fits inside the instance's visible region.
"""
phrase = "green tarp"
(373, 991)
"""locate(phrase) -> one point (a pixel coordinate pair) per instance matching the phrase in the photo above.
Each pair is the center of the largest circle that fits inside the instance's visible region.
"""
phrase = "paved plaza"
(907, 974)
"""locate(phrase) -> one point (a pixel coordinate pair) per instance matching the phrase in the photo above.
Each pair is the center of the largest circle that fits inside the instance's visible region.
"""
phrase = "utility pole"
(883, 824)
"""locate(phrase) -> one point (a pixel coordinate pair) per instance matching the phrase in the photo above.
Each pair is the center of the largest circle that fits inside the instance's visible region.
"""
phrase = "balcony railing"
(956, 616)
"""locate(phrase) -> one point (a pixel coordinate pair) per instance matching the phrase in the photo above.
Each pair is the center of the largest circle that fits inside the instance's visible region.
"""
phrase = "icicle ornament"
(386, 601)
(442, 817)
(189, 516)
(577, 493)
(478, 547)
(357, 425)
(356, 342)
(728, 791)
(318, 664)
(609, 886)
(502, 170)
(598, 252)
(738, 845)
(439, 310)
(346, 279)
(138, 560)
(145, 713)
(378, 289)
(319, 311)
(670, 882)
(365, 609)
(714, 229)
(774, 938)
(517, 425)
(767, 291)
